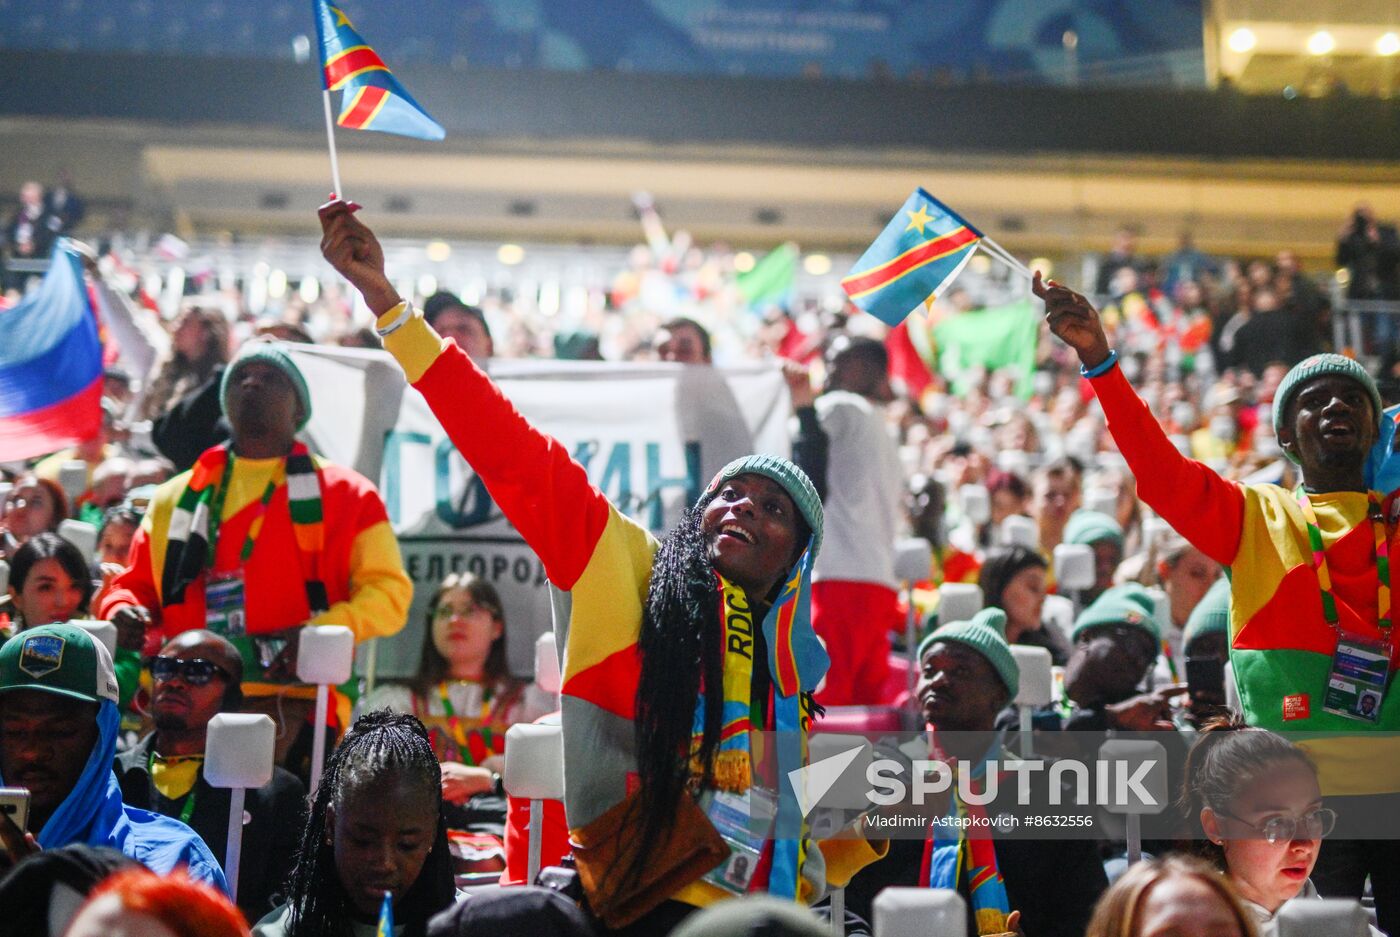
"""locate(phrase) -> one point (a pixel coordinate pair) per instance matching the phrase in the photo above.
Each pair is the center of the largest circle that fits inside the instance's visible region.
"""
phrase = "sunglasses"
(196, 671)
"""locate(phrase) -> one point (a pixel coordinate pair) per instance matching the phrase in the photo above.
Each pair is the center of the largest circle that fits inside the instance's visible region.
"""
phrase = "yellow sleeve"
(848, 855)
(380, 590)
(414, 344)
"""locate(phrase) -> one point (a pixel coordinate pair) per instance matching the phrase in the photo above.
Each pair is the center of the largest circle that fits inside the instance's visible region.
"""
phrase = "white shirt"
(864, 482)
(1268, 923)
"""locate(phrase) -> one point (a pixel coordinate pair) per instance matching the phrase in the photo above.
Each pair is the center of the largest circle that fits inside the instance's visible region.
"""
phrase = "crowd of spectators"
(994, 478)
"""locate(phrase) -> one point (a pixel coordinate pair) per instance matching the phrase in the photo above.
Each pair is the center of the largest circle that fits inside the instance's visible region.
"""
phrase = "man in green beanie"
(1116, 642)
(1309, 572)
(967, 676)
(1104, 536)
(259, 539)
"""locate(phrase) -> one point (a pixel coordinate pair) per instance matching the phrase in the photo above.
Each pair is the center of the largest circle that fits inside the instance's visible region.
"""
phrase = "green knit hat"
(269, 354)
(793, 480)
(1122, 605)
(985, 634)
(1322, 366)
(1089, 527)
(62, 659)
(1211, 615)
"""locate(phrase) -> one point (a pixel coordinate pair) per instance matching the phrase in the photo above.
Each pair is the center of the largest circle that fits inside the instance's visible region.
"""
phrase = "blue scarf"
(92, 812)
(797, 661)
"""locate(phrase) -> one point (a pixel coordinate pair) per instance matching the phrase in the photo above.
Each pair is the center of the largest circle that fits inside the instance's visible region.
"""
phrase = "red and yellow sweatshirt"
(1281, 645)
(361, 566)
(599, 561)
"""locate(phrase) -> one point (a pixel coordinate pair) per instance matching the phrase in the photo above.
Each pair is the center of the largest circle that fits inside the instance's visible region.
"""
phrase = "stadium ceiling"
(209, 180)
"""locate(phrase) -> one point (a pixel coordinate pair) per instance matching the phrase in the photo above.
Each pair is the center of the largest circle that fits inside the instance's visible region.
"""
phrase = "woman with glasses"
(464, 692)
(1259, 808)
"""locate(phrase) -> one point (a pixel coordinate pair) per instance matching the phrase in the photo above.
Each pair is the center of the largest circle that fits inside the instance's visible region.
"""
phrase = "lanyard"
(188, 810)
(471, 755)
(1319, 560)
(1171, 664)
(216, 512)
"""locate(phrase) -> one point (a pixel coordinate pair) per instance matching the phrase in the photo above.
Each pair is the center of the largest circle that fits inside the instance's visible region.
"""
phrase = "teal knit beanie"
(985, 634)
(273, 355)
(792, 479)
(1122, 605)
(1322, 366)
(1089, 527)
(1211, 615)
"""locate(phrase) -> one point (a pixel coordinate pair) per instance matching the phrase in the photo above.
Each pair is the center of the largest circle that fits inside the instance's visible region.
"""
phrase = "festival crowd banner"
(650, 435)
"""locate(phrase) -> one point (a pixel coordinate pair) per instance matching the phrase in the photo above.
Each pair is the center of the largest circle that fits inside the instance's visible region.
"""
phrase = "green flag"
(1000, 337)
(771, 279)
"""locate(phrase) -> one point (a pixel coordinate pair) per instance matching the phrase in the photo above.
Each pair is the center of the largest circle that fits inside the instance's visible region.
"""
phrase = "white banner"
(650, 436)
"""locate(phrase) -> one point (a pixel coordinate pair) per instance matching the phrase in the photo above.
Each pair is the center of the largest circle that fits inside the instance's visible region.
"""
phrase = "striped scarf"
(194, 524)
(797, 661)
(969, 859)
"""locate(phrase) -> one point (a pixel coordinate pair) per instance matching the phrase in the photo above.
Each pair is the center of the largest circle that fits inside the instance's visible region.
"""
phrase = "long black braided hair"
(679, 646)
(378, 742)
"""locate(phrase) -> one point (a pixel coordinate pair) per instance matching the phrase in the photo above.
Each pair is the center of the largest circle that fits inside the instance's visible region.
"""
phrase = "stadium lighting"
(1389, 44)
(743, 262)
(277, 284)
(1042, 264)
(1242, 40)
(510, 254)
(1321, 43)
(817, 264)
(439, 251)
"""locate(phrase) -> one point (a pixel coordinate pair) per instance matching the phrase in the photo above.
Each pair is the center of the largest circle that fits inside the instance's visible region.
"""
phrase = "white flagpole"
(330, 139)
(1006, 257)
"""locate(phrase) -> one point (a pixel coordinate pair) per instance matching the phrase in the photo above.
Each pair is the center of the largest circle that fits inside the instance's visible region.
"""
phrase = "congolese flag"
(50, 365)
(920, 251)
(373, 98)
(386, 917)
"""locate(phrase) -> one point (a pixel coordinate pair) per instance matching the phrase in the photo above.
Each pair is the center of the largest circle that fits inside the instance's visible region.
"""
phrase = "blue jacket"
(93, 813)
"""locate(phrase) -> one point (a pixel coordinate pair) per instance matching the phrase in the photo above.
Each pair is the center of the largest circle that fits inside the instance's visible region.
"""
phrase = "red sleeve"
(135, 585)
(539, 487)
(1200, 505)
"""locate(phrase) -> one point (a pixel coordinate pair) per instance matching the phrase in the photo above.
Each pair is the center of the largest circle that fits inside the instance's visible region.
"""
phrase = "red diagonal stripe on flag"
(914, 257)
(366, 106)
(346, 65)
(787, 666)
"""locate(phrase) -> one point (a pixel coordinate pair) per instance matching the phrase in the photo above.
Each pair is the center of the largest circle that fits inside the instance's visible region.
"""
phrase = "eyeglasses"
(196, 671)
(1314, 825)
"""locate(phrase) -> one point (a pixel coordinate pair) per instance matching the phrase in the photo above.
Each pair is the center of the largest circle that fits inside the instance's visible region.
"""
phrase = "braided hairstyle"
(378, 742)
(679, 647)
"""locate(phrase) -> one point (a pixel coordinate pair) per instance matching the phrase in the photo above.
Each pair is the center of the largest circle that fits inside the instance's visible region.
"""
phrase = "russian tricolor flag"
(50, 365)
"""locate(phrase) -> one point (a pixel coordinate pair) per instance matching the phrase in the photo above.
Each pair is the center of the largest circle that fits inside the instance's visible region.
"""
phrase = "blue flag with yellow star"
(925, 245)
(373, 99)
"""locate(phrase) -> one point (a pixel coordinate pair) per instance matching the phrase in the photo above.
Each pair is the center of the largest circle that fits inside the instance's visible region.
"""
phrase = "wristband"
(404, 315)
(1103, 367)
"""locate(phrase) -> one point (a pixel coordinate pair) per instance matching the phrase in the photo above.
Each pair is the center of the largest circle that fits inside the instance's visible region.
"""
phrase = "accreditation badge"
(739, 819)
(1357, 682)
(224, 609)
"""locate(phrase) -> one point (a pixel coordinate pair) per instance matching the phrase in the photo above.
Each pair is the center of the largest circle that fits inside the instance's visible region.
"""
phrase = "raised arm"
(1199, 504)
(532, 478)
